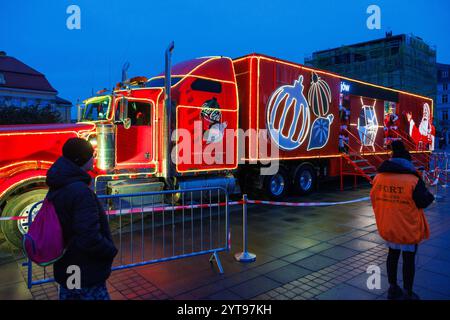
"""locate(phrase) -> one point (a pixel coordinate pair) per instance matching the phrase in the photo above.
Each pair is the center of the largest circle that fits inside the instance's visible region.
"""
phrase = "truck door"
(134, 139)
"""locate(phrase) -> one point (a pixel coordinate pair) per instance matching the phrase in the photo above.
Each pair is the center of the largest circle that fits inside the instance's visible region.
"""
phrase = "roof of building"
(61, 101)
(18, 75)
(388, 38)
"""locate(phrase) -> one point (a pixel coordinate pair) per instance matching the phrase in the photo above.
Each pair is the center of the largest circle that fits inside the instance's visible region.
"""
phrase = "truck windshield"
(159, 82)
(96, 109)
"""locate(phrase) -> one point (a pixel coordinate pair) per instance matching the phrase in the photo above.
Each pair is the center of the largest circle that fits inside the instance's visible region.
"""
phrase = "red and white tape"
(149, 209)
(306, 204)
(13, 218)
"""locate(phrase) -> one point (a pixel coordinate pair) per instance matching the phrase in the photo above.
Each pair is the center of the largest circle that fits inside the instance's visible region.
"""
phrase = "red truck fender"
(20, 180)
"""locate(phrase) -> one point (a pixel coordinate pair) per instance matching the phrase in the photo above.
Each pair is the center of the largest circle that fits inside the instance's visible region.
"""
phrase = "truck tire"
(305, 179)
(276, 186)
(19, 205)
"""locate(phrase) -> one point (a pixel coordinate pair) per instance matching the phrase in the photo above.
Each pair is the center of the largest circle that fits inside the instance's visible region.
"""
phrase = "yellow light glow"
(184, 76)
(37, 133)
(24, 162)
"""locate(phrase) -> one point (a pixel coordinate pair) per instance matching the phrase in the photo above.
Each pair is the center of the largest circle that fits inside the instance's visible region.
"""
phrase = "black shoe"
(394, 292)
(410, 296)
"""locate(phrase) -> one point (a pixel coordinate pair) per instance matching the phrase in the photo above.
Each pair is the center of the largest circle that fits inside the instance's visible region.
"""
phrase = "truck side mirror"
(127, 123)
(124, 113)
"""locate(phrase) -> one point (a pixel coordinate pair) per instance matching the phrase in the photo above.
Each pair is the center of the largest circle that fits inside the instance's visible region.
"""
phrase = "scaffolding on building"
(403, 62)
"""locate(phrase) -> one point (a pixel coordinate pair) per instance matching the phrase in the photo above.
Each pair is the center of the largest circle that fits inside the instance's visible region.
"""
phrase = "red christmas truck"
(246, 114)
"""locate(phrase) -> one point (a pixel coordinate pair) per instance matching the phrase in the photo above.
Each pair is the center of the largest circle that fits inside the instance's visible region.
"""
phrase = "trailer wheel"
(276, 186)
(20, 206)
(304, 180)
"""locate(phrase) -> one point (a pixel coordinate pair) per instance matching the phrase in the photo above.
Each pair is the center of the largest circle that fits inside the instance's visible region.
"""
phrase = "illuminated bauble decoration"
(288, 116)
(319, 96)
(320, 132)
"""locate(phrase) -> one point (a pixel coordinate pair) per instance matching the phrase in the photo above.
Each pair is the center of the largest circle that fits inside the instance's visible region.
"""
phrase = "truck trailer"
(228, 122)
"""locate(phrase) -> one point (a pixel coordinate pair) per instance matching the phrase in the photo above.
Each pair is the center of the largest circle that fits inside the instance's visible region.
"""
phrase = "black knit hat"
(78, 150)
(399, 150)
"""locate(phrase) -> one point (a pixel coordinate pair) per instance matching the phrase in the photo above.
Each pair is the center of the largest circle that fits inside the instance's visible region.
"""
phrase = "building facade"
(442, 99)
(403, 62)
(21, 86)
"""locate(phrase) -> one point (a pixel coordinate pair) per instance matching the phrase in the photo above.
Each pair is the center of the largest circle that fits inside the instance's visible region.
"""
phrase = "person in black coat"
(89, 245)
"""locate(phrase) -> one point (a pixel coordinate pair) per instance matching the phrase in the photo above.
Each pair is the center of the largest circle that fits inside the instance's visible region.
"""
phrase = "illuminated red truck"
(247, 114)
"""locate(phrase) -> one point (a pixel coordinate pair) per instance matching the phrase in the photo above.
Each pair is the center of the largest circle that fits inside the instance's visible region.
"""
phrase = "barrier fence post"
(446, 170)
(436, 189)
(244, 256)
(29, 263)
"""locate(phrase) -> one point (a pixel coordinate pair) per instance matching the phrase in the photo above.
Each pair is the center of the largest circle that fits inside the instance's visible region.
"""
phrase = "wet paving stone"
(298, 256)
(339, 253)
(433, 281)
(346, 292)
(324, 236)
(316, 262)
(288, 273)
(302, 253)
(254, 287)
(359, 245)
(438, 266)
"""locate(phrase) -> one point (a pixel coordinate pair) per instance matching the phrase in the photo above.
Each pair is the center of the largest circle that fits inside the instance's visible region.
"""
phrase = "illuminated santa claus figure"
(423, 134)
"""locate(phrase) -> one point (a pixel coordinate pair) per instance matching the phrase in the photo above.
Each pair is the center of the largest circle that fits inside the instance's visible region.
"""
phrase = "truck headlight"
(93, 142)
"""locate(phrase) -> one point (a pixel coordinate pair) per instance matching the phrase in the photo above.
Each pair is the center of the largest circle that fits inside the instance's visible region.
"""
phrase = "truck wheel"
(20, 206)
(304, 180)
(276, 186)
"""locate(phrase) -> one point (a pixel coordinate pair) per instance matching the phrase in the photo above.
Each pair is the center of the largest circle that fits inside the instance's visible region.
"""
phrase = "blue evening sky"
(113, 32)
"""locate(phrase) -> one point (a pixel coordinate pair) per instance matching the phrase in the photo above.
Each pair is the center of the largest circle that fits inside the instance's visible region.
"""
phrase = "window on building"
(360, 57)
(395, 50)
(375, 54)
(325, 62)
(15, 102)
(2, 79)
(445, 98)
(444, 74)
(445, 86)
(445, 115)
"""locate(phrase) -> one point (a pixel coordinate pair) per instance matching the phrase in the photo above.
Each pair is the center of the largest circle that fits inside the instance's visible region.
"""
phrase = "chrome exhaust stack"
(167, 166)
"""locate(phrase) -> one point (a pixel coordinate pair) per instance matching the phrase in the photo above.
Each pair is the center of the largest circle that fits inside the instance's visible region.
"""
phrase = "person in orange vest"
(399, 196)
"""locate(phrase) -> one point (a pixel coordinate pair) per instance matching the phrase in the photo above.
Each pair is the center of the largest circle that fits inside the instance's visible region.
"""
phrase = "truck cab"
(129, 130)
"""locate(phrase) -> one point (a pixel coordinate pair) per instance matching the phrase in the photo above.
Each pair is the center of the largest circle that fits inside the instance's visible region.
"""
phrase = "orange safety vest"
(397, 216)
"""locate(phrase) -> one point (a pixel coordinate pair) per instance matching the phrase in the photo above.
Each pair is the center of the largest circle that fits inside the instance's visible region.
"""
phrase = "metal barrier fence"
(161, 226)
(437, 177)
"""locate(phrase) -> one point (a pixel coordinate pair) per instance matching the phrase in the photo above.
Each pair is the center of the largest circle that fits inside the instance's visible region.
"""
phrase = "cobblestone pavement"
(302, 254)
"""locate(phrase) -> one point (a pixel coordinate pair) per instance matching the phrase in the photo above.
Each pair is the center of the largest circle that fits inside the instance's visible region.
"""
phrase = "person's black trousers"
(409, 268)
